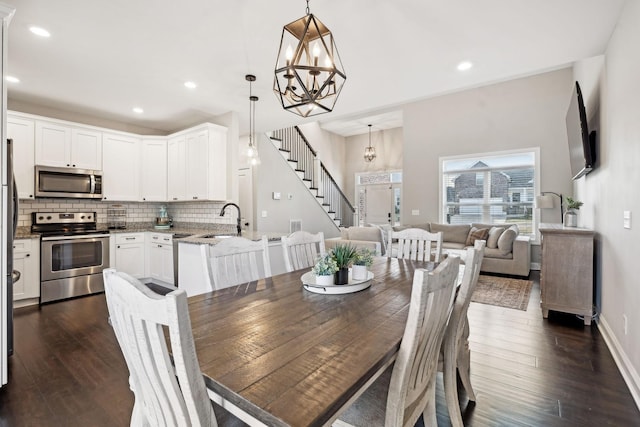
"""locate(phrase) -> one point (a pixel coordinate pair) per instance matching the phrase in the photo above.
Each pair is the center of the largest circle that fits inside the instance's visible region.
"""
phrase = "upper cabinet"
(176, 169)
(67, 146)
(121, 167)
(188, 165)
(22, 131)
(197, 167)
(153, 183)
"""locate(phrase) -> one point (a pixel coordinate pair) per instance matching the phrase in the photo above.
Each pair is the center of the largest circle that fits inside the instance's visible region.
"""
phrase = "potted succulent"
(364, 259)
(344, 255)
(324, 269)
(571, 216)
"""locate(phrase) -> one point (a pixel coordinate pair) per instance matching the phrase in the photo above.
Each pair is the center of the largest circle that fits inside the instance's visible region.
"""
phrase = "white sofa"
(505, 253)
(371, 238)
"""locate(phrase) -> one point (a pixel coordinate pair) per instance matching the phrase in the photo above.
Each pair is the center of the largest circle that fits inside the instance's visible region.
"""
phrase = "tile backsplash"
(184, 212)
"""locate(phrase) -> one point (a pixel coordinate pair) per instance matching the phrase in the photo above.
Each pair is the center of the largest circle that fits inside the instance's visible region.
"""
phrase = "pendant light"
(369, 152)
(309, 74)
(252, 151)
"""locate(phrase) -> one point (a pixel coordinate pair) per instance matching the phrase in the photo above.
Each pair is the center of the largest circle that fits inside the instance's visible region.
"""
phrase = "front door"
(381, 204)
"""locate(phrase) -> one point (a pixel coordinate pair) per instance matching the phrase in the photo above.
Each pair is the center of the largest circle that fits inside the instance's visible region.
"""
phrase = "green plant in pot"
(325, 269)
(363, 260)
(570, 215)
(344, 255)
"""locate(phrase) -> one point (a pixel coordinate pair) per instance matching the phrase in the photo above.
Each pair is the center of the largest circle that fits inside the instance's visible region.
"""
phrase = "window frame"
(535, 215)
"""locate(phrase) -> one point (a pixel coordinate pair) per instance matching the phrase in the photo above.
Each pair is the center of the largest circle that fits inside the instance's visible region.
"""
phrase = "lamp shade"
(544, 202)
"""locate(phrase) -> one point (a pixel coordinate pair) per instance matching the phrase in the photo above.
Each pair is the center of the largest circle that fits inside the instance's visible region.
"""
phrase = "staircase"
(304, 161)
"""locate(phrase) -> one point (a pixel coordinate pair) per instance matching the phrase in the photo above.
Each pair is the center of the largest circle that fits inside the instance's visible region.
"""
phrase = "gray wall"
(389, 148)
(612, 188)
(523, 113)
(274, 175)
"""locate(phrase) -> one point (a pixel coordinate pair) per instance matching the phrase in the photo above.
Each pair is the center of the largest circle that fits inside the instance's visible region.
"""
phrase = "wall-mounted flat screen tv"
(581, 143)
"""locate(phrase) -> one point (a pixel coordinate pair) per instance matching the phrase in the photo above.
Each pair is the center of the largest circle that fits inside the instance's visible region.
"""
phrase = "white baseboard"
(627, 370)
(535, 266)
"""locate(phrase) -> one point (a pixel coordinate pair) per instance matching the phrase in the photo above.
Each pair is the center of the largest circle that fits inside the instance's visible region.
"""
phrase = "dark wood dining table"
(289, 357)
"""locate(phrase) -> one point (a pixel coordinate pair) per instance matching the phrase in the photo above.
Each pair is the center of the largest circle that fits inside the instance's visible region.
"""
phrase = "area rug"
(503, 292)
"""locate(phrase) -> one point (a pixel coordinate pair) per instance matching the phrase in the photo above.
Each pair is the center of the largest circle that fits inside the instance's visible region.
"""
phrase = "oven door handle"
(79, 237)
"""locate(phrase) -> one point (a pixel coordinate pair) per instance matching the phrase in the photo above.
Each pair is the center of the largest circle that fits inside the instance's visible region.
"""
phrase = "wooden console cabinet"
(566, 274)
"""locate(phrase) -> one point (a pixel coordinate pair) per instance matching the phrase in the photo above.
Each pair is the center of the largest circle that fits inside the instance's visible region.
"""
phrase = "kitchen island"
(191, 271)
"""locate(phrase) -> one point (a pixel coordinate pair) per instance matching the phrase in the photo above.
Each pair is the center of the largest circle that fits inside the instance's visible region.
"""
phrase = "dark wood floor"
(67, 370)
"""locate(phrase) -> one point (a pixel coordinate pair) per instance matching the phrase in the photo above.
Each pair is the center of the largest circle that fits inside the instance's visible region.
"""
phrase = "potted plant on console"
(571, 216)
(344, 255)
(325, 269)
(360, 268)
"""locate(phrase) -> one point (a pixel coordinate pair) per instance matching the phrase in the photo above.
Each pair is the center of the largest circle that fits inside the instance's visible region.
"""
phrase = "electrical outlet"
(625, 323)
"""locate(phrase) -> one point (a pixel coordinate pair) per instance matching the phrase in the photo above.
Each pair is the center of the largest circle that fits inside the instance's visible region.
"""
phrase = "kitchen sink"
(215, 236)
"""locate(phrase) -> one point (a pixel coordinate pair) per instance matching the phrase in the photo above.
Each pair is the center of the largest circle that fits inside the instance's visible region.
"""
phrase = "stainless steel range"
(73, 254)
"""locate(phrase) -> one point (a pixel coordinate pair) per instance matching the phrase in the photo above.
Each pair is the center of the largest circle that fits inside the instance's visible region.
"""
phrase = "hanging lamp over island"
(252, 151)
(309, 74)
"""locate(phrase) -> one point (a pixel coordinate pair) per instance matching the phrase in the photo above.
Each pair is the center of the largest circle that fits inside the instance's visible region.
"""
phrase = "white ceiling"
(105, 57)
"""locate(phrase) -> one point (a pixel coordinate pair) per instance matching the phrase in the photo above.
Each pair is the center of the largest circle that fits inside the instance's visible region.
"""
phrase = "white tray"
(309, 283)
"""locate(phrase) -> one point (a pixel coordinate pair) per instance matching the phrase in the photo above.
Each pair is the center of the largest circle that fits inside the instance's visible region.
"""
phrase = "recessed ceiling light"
(39, 31)
(190, 85)
(12, 79)
(138, 110)
(464, 66)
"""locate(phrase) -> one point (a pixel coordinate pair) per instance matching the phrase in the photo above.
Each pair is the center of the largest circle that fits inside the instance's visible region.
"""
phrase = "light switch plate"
(276, 195)
(264, 214)
(626, 215)
(415, 212)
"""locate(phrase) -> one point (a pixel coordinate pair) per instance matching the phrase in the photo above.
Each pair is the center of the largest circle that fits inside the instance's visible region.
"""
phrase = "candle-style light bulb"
(289, 55)
(316, 53)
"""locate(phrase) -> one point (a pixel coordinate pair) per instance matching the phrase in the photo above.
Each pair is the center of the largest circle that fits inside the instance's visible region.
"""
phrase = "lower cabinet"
(26, 260)
(160, 257)
(128, 253)
(144, 255)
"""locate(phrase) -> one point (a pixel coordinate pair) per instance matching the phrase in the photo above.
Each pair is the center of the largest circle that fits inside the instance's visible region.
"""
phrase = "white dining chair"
(169, 389)
(407, 389)
(302, 249)
(415, 244)
(455, 354)
(235, 260)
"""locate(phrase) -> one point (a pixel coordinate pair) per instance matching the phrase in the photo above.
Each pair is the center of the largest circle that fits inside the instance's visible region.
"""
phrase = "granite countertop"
(195, 231)
(198, 239)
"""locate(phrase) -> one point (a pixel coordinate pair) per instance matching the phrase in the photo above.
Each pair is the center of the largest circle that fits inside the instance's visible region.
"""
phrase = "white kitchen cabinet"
(121, 167)
(198, 164)
(128, 253)
(160, 257)
(62, 145)
(26, 259)
(176, 169)
(153, 185)
(22, 131)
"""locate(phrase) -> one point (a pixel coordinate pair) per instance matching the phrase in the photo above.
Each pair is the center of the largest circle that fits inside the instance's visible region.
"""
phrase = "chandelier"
(369, 152)
(252, 151)
(309, 74)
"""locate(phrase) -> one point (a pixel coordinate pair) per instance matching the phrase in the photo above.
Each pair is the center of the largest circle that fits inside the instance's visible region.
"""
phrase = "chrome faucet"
(239, 226)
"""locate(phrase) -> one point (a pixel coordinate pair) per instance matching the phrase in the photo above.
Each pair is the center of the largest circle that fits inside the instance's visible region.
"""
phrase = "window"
(495, 188)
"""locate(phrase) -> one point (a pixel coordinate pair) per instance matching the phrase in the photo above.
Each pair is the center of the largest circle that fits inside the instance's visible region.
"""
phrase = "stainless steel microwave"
(68, 182)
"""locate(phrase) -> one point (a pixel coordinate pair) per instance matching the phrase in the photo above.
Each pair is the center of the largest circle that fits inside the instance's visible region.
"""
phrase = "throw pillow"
(505, 242)
(494, 235)
(477, 234)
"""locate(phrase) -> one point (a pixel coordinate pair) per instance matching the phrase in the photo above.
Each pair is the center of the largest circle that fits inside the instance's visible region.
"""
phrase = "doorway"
(379, 202)
(245, 198)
